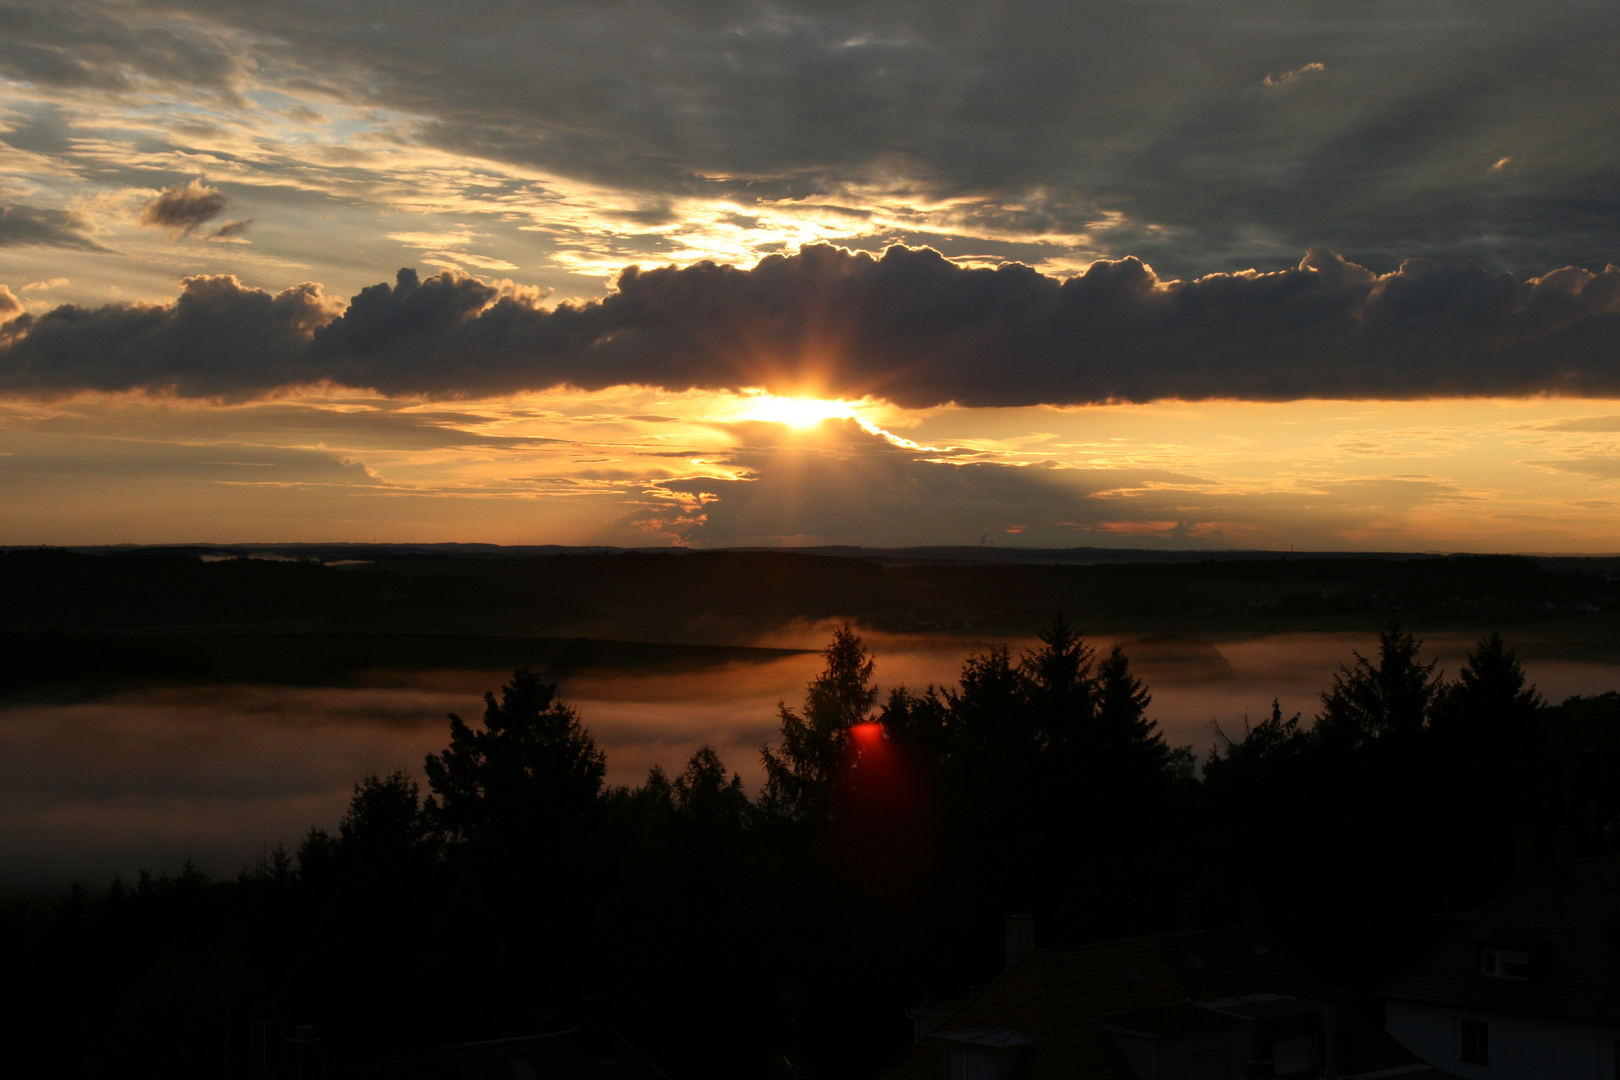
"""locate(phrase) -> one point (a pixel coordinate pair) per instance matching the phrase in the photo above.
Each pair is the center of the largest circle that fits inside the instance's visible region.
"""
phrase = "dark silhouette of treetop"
(1122, 722)
(706, 792)
(531, 770)
(987, 716)
(1367, 702)
(842, 695)
(1491, 700)
(386, 814)
(1270, 740)
(387, 841)
(1059, 683)
(800, 771)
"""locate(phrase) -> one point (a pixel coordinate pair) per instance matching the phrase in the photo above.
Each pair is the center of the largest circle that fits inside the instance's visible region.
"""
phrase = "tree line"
(893, 831)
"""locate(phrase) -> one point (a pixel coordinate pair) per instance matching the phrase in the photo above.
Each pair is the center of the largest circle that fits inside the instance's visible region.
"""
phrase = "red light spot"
(867, 734)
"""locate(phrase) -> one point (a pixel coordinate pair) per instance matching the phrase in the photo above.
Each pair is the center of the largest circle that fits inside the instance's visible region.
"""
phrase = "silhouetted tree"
(1246, 779)
(989, 719)
(1058, 682)
(1491, 700)
(800, 772)
(656, 794)
(1492, 767)
(921, 724)
(1367, 702)
(387, 826)
(1269, 746)
(532, 773)
(704, 791)
(1123, 731)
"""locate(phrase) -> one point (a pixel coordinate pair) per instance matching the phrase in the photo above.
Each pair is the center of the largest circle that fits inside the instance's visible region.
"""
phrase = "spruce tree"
(801, 770)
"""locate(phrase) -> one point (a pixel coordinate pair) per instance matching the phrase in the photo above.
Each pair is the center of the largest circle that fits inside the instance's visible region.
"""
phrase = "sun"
(801, 412)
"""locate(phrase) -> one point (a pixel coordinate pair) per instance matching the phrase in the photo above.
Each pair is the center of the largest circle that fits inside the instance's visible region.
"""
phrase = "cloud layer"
(563, 142)
(32, 226)
(910, 327)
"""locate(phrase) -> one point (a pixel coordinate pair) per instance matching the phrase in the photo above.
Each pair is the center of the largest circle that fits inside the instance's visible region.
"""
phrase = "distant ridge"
(958, 555)
(1077, 556)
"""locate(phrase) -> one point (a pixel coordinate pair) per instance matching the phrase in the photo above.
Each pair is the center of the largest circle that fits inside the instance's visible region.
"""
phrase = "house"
(566, 1054)
(1214, 1004)
(1529, 987)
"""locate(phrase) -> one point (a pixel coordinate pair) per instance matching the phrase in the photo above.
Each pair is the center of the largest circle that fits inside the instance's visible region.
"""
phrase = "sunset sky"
(1153, 274)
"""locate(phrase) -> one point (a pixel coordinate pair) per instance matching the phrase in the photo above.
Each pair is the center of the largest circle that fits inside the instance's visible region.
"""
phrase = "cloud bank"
(909, 326)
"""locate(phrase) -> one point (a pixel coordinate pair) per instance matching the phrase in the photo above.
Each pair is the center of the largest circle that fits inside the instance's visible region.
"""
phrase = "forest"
(506, 884)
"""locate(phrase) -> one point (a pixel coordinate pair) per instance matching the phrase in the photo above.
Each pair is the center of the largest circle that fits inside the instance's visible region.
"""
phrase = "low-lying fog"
(144, 778)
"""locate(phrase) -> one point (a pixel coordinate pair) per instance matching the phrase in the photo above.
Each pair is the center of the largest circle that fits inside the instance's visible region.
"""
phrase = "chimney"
(265, 1035)
(1186, 911)
(1524, 849)
(1251, 907)
(304, 1055)
(1020, 938)
(1563, 853)
(1330, 1029)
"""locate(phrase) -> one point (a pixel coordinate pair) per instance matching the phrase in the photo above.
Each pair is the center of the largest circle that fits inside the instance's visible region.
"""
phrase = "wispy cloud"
(1289, 76)
(33, 226)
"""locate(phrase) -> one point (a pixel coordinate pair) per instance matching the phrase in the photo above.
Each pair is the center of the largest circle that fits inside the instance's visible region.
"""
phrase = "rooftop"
(1566, 920)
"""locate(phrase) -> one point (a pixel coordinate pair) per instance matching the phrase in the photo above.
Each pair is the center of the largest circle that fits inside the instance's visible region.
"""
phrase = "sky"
(1157, 273)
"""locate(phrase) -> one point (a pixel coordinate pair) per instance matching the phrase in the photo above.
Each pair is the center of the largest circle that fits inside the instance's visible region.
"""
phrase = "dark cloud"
(230, 229)
(1154, 118)
(1197, 135)
(182, 208)
(72, 45)
(32, 226)
(218, 340)
(909, 326)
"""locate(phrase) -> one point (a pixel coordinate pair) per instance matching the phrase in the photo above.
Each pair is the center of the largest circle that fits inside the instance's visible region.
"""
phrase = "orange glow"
(571, 467)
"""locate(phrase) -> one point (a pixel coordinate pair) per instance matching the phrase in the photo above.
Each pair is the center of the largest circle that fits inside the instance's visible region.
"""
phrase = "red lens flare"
(883, 825)
(867, 736)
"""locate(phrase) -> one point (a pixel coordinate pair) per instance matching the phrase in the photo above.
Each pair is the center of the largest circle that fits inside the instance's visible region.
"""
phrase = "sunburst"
(800, 412)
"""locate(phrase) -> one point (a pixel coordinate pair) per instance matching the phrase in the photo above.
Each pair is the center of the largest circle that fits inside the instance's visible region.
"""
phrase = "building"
(566, 1054)
(1529, 987)
(1216, 1004)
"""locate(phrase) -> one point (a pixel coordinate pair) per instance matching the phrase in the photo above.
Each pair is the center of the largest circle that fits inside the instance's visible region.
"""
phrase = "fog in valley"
(144, 778)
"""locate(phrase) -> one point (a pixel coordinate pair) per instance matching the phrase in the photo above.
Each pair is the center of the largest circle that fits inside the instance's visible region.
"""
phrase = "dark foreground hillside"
(503, 889)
